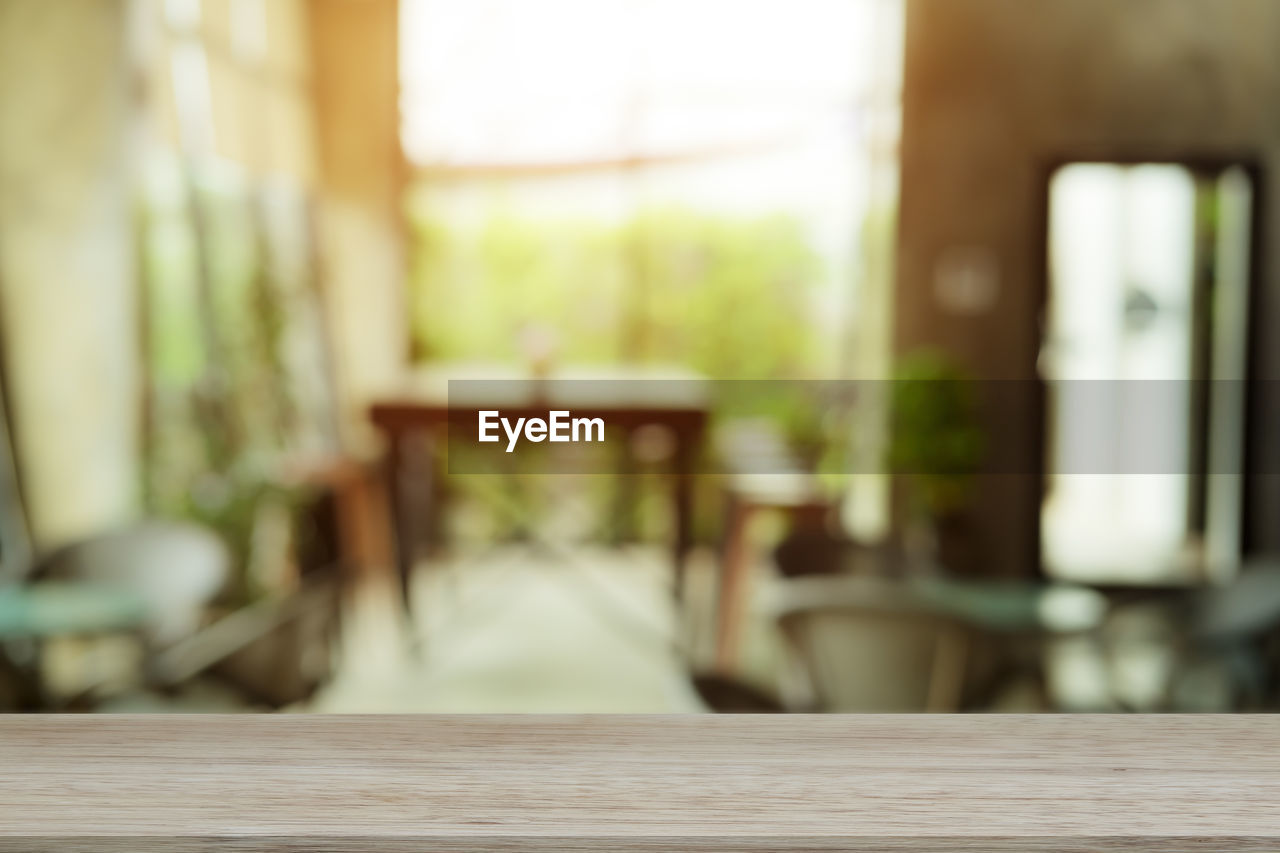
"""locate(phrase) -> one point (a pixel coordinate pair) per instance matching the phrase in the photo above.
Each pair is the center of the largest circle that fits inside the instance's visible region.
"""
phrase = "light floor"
(514, 630)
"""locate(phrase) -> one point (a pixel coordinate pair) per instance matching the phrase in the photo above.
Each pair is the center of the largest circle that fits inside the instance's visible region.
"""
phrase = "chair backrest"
(1247, 607)
(868, 646)
(177, 568)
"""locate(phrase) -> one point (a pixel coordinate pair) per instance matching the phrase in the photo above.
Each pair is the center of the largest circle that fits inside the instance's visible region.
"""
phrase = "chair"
(763, 476)
(151, 581)
(1228, 658)
(175, 568)
(871, 644)
(1204, 649)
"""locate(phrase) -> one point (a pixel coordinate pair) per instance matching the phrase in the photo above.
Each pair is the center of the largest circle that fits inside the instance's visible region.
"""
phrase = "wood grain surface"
(384, 783)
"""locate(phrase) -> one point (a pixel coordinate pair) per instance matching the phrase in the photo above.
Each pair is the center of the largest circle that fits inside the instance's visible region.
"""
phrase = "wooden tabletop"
(469, 385)
(623, 396)
(921, 783)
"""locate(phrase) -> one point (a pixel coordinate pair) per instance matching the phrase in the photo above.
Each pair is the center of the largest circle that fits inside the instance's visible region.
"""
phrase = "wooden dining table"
(414, 419)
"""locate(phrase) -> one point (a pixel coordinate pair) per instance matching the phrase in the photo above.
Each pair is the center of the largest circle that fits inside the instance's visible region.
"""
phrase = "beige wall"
(993, 90)
(66, 262)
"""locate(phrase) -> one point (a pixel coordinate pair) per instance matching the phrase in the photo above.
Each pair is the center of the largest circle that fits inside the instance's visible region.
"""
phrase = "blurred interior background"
(244, 244)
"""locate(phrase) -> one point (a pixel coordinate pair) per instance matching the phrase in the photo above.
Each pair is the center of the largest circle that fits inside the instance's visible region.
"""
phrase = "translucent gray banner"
(909, 426)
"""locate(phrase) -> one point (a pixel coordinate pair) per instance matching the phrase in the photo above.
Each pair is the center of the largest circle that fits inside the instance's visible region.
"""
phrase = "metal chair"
(870, 644)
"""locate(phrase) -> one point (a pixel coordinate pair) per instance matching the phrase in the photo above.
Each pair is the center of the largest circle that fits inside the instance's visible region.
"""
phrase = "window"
(710, 183)
(235, 346)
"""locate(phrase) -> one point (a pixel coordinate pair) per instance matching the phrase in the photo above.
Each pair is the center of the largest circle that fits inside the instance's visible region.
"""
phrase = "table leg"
(400, 504)
(734, 567)
(623, 522)
(683, 506)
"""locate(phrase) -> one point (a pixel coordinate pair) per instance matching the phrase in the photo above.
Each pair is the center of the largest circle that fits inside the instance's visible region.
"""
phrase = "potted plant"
(935, 447)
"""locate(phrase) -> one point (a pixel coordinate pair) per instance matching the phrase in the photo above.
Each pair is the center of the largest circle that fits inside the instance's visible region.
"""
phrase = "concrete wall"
(67, 297)
(995, 89)
(356, 69)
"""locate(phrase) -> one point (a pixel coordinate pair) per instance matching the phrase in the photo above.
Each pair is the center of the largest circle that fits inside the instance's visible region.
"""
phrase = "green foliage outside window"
(728, 297)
